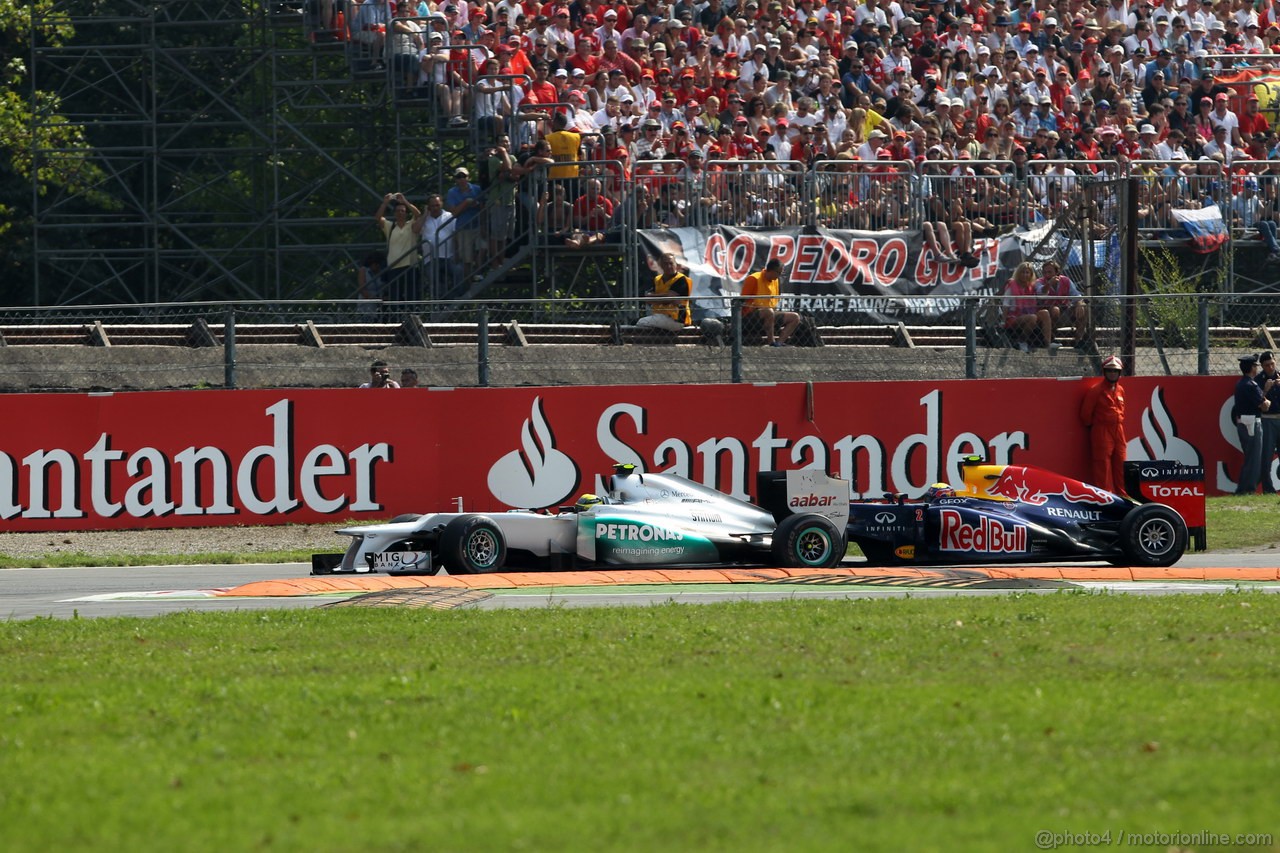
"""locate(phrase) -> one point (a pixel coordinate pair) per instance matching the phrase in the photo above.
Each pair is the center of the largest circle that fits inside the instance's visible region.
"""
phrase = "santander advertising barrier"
(202, 458)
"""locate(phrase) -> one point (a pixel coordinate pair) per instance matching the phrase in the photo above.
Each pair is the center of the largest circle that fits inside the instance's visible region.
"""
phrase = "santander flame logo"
(537, 475)
(1160, 436)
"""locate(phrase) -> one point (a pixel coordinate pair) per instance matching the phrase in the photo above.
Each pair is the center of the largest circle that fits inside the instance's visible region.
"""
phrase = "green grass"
(954, 724)
(1242, 521)
(61, 560)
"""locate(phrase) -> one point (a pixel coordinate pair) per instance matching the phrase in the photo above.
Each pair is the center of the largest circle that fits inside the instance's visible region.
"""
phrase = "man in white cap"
(1147, 137)
(869, 151)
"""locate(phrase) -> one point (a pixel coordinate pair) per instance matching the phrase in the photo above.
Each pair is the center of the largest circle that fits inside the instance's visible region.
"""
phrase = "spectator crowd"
(716, 111)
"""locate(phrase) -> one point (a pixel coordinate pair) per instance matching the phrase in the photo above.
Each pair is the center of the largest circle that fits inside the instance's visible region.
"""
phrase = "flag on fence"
(1101, 249)
(1205, 227)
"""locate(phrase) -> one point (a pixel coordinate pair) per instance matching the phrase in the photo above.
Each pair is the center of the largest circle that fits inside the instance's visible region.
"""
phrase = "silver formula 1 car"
(642, 520)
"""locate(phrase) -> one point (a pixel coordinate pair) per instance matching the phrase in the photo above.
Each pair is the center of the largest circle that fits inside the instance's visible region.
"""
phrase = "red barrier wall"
(199, 458)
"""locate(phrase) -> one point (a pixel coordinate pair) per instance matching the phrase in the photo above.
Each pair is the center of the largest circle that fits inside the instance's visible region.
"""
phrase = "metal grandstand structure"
(247, 157)
(247, 143)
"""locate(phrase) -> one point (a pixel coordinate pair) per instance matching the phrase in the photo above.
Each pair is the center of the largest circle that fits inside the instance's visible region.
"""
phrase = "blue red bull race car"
(1016, 514)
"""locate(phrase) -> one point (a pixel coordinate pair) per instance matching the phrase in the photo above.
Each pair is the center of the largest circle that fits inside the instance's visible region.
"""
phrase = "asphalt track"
(152, 590)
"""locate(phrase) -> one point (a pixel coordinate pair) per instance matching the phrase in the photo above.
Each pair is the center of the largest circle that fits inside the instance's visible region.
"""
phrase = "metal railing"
(590, 341)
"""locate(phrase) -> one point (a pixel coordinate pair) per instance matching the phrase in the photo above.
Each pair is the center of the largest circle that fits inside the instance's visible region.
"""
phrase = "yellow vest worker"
(671, 315)
(677, 283)
(565, 145)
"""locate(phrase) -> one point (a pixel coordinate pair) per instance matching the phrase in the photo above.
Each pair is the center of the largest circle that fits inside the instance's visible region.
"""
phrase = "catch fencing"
(601, 341)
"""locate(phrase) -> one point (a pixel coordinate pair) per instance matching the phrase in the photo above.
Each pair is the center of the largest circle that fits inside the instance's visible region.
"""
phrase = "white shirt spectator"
(1117, 14)
(514, 9)
(958, 41)
(748, 72)
(437, 236)
(1165, 151)
(1035, 90)
(836, 126)
(780, 144)
(878, 15)
(561, 35)
(646, 95)
(806, 119)
(1228, 151)
(1228, 119)
(890, 62)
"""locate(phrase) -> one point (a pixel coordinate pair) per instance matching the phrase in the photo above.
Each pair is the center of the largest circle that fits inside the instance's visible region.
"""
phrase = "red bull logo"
(1033, 486)
(989, 536)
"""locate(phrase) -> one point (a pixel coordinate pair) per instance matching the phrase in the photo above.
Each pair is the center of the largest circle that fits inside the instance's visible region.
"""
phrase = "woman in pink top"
(1062, 298)
(1028, 323)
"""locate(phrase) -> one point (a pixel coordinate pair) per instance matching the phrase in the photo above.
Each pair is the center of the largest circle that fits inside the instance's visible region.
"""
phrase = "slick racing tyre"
(807, 541)
(1153, 535)
(472, 545)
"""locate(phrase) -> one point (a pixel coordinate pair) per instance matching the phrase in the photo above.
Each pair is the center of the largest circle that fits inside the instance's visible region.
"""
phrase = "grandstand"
(248, 144)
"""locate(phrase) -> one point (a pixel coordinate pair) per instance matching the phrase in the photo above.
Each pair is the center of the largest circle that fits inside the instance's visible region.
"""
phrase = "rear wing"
(785, 493)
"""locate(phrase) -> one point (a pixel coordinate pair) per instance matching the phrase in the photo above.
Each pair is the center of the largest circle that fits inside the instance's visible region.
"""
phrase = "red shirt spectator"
(680, 142)
(584, 59)
(540, 90)
(592, 210)
(622, 10)
(1087, 144)
(1251, 121)
(613, 58)
(741, 144)
(687, 91)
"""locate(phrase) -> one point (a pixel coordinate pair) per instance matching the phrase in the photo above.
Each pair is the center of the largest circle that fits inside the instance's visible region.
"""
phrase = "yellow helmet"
(940, 490)
(589, 500)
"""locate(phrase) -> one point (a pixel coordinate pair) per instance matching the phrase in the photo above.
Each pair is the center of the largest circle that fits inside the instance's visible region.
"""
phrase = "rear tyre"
(471, 545)
(807, 541)
(1153, 535)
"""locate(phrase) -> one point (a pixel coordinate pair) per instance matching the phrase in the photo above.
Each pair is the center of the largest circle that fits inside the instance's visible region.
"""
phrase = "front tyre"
(1153, 535)
(807, 541)
(471, 545)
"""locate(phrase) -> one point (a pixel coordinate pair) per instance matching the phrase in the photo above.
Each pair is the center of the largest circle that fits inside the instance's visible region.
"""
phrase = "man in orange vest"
(1102, 410)
(762, 305)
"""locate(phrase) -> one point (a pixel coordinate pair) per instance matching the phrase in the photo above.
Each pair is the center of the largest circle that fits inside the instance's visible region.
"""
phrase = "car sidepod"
(887, 533)
(644, 535)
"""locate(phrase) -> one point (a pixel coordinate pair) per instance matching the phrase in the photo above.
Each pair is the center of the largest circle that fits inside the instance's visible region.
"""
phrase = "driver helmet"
(588, 500)
(1112, 362)
(940, 490)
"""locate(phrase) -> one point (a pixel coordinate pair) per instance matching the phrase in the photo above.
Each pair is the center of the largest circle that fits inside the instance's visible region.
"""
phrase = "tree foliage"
(31, 120)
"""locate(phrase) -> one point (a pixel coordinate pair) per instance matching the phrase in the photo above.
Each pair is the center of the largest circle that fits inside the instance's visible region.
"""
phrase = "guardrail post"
(735, 346)
(229, 350)
(1202, 327)
(482, 348)
(970, 339)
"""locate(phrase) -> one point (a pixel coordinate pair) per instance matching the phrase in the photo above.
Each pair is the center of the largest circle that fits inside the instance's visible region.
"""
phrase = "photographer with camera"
(401, 268)
(380, 376)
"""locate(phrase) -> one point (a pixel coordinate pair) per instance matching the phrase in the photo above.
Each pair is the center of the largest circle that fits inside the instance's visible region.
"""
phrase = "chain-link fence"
(606, 341)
